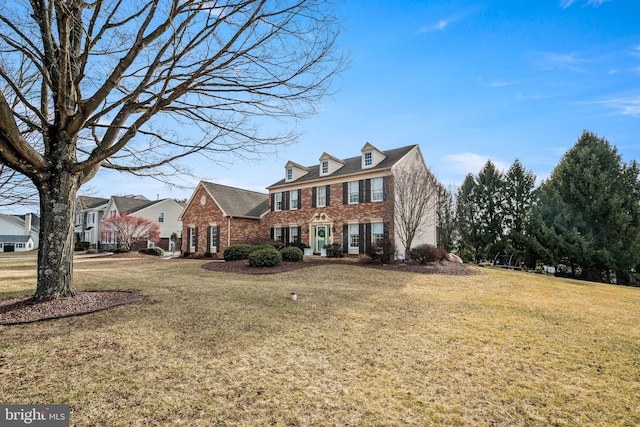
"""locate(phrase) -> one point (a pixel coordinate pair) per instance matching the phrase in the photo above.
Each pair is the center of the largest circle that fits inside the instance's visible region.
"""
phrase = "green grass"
(360, 347)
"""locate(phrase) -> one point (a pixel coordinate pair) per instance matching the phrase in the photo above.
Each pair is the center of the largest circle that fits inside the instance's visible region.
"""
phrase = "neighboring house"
(19, 233)
(88, 219)
(217, 216)
(345, 201)
(165, 212)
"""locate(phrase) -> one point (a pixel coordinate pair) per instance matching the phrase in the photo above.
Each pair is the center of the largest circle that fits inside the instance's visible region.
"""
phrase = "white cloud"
(498, 83)
(439, 26)
(471, 162)
(595, 3)
(626, 106)
(562, 61)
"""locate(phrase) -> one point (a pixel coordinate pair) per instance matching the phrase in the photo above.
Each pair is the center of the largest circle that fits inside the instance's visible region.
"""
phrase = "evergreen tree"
(468, 242)
(445, 224)
(489, 200)
(588, 212)
(518, 195)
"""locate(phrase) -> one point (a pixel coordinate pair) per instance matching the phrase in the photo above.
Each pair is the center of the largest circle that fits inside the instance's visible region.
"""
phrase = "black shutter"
(345, 193)
(299, 199)
(385, 187)
(367, 235)
(361, 191)
(299, 234)
(285, 235)
(272, 233)
(367, 190)
(217, 238)
(285, 200)
(361, 242)
(314, 196)
(345, 238)
(196, 233)
(273, 202)
(208, 245)
(327, 193)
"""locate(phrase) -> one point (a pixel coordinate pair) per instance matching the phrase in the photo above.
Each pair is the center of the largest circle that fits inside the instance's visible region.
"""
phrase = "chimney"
(27, 224)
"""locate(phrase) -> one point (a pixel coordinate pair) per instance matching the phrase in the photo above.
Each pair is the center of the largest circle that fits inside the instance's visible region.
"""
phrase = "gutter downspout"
(229, 231)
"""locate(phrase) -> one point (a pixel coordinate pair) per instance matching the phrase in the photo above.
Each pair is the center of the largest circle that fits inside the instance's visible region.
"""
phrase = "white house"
(164, 212)
(88, 220)
(19, 233)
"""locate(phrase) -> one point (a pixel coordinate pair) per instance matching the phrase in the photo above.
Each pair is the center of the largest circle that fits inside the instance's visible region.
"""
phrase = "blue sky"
(467, 81)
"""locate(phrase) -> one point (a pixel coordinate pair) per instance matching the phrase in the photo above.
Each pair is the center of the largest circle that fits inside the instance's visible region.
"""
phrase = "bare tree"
(115, 84)
(130, 229)
(16, 189)
(415, 195)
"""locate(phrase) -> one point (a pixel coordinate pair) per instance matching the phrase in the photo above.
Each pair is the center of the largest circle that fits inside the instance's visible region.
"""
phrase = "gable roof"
(131, 204)
(5, 238)
(87, 202)
(18, 220)
(238, 202)
(351, 166)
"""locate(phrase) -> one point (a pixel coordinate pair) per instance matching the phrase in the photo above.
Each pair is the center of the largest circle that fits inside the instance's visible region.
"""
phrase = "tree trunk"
(55, 256)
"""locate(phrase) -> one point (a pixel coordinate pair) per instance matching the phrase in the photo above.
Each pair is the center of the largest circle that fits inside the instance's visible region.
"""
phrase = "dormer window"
(368, 158)
(325, 167)
(289, 174)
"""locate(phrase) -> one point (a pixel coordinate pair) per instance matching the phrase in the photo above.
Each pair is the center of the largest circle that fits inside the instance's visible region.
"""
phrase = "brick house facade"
(345, 201)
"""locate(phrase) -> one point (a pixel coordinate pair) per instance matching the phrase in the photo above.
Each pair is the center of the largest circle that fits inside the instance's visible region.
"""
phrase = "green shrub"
(267, 257)
(186, 254)
(383, 253)
(208, 254)
(291, 253)
(424, 254)
(299, 245)
(120, 250)
(152, 251)
(81, 246)
(265, 246)
(334, 250)
(237, 252)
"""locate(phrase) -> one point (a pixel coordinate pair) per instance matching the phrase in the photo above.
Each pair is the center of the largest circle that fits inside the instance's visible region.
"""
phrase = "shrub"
(382, 253)
(186, 254)
(120, 250)
(291, 253)
(265, 246)
(299, 245)
(266, 242)
(152, 251)
(424, 254)
(237, 252)
(81, 246)
(267, 257)
(208, 254)
(334, 250)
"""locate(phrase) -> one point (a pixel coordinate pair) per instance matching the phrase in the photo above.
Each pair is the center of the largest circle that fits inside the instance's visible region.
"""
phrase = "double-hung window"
(321, 196)
(277, 202)
(289, 174)
(293, 234)
(377, 233)
(354, 236)
(278, 234)
(368, 158)
(213, 243)
(293, 200)
(160, 216)
(354, 192)
(193, 239)
(377, 190)
(325, 167)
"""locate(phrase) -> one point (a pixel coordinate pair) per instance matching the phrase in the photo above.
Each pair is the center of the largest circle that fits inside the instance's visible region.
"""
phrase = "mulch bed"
(26, 310)
(242, 267)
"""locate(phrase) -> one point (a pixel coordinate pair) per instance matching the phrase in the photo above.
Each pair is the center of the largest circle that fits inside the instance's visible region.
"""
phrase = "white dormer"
(371, 156)
(329, 164)
(294, 171)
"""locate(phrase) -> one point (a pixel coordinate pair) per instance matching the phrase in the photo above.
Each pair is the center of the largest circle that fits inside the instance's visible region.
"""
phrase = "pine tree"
(518, 195)
(445, 216)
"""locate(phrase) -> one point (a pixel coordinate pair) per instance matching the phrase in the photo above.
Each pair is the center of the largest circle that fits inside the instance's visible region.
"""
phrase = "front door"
(321, 238)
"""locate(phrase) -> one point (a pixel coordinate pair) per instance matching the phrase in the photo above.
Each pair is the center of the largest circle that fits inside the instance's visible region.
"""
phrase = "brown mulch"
(26, 310)
(443, 267)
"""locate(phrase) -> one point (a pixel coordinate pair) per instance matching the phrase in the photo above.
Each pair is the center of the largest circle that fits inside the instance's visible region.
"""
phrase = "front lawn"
(360, 346)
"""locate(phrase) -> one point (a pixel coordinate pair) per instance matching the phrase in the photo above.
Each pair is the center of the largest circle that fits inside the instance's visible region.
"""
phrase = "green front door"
(321, 238)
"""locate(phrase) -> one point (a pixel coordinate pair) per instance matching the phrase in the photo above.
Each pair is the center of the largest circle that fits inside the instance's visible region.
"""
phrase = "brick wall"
(338, 212)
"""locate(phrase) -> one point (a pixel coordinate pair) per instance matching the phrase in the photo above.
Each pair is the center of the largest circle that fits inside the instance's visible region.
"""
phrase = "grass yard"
(360, 347)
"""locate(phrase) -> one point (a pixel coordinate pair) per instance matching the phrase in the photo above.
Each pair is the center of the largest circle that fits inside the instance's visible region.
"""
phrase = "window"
(377, 234)
(278, 202)
(293, 234)
(354, 236)
(278, 235)
(161, 217)
(377, 190)
(293, 200)
(20, 245)
(91, 218)
(354, 192)
(325, 167)
(78, 219)
(321, 196)
(112, 212)
(193, 239)
(289, 174)
(213, 244)
(368, 158)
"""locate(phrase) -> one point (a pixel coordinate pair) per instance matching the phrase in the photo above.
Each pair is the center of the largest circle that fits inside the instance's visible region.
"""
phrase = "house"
(19, 233)
(165, 212)
(217, 216)
(345, 201)
(88, 219)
